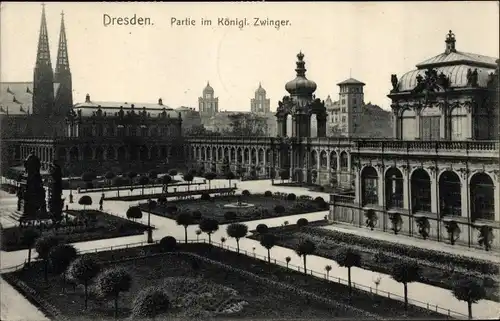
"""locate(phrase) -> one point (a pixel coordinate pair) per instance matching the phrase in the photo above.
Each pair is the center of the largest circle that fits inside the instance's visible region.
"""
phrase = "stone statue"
(474, 78)
(419, 79)
(394, 82)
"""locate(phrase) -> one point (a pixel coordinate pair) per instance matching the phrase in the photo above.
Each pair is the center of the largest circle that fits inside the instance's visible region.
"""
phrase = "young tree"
(88, 177)
(405, 272)
(268, 241)
(134, 213)
(28, 239)
(209, 177)
(85, 200)
(237, 230)
(188, 178)
(43, 245)
(223, 241)
(230, 176)
(185, 219)
(209, 226)
(153, 174)
(172, 172)
(131, 175)
(288, 259)
(346, 257)
(304, 249)
(150, 302)
(143, 180)
(109, 176)
(151, 206)
(470, 291)
(60, 257)
(198, 233)
(112, 282)
(82, 271)
(118, 182)
(328, 268)
(165, 180)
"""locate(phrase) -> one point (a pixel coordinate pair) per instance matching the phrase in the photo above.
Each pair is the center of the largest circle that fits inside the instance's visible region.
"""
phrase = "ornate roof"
(208, 89)
(301, 85)
(16, 98)
(351, 81)
(454, 68)
(457, 75)
(260, 90)
(88, 108)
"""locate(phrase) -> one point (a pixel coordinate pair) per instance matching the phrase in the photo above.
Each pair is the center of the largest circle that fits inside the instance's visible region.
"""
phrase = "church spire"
(43, 53)
(62, 51)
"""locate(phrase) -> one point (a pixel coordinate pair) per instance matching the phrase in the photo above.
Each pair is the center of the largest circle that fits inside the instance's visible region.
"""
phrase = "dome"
(260, 90)
(301, 86)
(208, 89)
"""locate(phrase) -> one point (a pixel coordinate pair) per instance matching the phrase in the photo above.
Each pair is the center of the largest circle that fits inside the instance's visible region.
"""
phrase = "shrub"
(291, 197)
(205, 197)
(268, 194)
(172, 172)
(162, 199)
(262, 228)
(230, 216)
(279, 209)
(245, 193)
(301, 222)
(168, 243)
(150, 302)
(197, 215)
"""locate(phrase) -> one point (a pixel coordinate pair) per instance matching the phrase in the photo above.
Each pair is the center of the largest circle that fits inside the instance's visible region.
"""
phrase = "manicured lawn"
(205, 289)
(216, 207)
(86, 225)
(379, 257)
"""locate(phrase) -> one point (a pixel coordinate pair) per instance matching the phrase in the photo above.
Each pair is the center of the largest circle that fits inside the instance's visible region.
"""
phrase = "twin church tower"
(52, 89)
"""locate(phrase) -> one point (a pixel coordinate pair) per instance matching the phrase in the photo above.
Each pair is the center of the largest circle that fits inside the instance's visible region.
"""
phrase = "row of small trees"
(404, 272)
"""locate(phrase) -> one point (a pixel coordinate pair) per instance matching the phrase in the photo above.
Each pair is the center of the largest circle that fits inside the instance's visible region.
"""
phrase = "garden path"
(417, 291)
(15, 307)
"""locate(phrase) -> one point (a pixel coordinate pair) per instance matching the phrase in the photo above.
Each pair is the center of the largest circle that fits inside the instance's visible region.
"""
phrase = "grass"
(327, 245)
(263, 207)
(100, 225)
(175, 272)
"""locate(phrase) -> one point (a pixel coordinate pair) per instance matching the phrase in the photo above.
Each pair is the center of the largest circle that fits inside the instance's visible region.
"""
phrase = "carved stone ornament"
(394, 82)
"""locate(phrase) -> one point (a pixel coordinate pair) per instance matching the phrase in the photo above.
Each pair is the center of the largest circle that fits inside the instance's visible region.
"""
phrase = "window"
(343, 119)
(430, 127)
(354, 101)
(343, 101)
(343, 109)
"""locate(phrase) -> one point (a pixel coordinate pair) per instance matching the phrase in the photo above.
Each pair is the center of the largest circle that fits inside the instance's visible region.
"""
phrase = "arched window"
(407, 128)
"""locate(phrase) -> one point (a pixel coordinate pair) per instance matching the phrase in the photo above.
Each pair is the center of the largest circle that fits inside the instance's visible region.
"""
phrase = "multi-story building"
(39, 117)
(260, 103)
(208, 104)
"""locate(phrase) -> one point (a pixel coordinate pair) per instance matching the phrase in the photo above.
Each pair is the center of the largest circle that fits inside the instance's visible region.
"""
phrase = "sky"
(368, 41)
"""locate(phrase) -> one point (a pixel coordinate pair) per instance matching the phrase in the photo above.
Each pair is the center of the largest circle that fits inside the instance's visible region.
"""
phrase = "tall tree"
(346, 257)
(305, 248)
(188, 178)
(405, 272)
(470, 291)
(43, 246)
(209, 226)
(185, 218)
(112, 282)
(268, 241)
(209, 177)
(83, 270)
(237, 230)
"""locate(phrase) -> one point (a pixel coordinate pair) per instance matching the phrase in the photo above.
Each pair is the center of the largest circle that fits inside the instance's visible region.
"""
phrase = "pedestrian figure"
(101, 201)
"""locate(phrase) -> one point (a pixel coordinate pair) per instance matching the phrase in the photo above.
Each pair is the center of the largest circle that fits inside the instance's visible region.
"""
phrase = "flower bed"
(206, 292)
(263, 206)
(438, 268)
(87, 225)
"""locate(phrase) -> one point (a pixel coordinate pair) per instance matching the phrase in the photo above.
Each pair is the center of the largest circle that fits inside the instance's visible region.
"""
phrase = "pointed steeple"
(43, 76)
(62, 51)
(43, 53)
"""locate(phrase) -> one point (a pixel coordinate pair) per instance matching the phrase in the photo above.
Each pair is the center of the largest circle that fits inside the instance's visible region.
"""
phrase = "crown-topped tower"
(64, 95)
(450, 43)
(301, 86)
(43, 77)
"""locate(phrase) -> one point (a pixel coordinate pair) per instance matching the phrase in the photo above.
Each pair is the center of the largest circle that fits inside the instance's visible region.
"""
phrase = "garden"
(436, 268)
(186, 281)
(77, 226)
(238, 208)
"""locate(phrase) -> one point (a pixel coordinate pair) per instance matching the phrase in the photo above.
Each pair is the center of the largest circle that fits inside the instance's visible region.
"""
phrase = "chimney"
(87, 98)
(160, 102)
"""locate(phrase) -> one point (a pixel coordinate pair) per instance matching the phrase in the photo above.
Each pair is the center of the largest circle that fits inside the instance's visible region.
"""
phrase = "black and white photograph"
(226, 160)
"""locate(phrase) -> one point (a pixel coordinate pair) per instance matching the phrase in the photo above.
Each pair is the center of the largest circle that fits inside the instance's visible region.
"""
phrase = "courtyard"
(239, 208)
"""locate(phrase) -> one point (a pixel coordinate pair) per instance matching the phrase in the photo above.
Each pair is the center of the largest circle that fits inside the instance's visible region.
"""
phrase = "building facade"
(40, 118)
(440, 177)
(260, 103)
